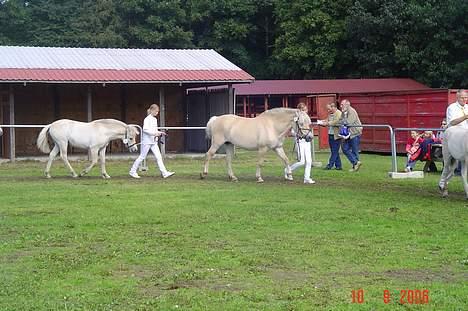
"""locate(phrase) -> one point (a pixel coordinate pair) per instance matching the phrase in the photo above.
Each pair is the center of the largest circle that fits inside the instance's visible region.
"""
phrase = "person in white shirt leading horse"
(303, 145)
(149, 141)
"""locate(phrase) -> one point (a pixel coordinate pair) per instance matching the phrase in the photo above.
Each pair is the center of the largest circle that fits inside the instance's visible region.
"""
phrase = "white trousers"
(305, 157)
(143, 152)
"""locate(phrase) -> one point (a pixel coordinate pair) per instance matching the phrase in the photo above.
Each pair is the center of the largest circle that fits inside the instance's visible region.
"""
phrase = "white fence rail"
(392, 132)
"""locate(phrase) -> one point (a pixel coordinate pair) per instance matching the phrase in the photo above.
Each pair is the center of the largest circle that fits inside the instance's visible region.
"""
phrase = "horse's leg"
(102, 154)
(52, 156)
(64, 156)
(208, 157)
(280, 152)
(93, 152)
(464, 174)
(447, 173)
(229, 155)
(260, 160)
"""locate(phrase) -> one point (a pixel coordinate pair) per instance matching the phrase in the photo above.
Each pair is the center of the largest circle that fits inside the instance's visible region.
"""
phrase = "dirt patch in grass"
(133, 271)
(16, 256)
(156, 290)
(426, 275)
(410, 275)
(288, 276)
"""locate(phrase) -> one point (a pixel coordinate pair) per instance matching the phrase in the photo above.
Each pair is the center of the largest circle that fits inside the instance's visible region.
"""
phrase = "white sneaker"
(134, 175)
(168, 174)
(309, 181)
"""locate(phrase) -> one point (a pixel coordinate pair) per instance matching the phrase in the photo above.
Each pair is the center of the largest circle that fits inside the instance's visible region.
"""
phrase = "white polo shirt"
(150, 129)
(455, 111)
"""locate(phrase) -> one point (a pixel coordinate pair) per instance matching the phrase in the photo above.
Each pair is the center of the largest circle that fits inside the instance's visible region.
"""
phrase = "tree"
(14, 23)
(224, 25)
(98, 24)
(310, 33)
(418, 39)
(155, 24)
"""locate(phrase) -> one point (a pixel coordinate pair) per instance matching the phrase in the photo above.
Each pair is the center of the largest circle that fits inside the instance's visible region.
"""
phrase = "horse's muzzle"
(133, 148)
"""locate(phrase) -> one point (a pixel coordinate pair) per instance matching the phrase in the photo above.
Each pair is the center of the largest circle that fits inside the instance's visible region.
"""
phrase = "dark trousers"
(335, 152)
(351, 149)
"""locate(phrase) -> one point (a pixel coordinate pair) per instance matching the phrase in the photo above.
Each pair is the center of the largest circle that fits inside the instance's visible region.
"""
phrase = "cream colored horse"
(264, 132)
(454, 147)
(94, 136)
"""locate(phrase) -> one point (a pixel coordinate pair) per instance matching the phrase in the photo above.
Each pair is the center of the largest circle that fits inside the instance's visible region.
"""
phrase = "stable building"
(39, 85)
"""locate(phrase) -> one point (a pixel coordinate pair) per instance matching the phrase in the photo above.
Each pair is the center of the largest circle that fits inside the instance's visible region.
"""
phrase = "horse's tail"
(209, 126)
(42, 141)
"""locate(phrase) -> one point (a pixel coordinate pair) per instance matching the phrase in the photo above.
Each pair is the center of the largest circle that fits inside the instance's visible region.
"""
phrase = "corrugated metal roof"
(107, 65)
(284, 87)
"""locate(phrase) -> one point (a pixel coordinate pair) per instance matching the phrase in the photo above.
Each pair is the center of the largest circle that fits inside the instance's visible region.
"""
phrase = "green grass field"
(186, 243)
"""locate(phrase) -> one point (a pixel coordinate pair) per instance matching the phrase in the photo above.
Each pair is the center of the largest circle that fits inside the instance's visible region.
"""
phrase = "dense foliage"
(271, 39)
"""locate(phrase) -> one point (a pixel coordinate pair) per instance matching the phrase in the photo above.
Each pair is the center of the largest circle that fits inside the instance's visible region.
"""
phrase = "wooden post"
(89, 108)
(89, 111)
(162, 116)
(12, 122)
(123, 109)
(244, 100)
(123, 103)
(231, 100)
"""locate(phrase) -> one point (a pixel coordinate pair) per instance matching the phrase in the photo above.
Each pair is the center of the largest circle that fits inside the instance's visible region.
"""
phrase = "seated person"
(428, 140)
(413, 149)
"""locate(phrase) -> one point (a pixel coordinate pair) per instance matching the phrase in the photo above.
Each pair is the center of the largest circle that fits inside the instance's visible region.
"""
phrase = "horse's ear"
(296, 115)
(136, 129)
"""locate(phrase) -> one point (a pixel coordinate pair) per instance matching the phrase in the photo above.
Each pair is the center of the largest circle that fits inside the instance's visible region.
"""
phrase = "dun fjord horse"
(94, 136)
(454, 147)
(264, 132)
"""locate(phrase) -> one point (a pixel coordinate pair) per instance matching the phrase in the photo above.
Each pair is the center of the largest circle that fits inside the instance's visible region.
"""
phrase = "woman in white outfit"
(149, 141)
(304, 151)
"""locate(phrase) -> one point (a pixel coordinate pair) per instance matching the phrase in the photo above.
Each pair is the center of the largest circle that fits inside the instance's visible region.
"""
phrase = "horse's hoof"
(203, 175)
(74, 176)
(288, 177)
(260, 180)
(48, 176)
(105, 176)
(233, 178)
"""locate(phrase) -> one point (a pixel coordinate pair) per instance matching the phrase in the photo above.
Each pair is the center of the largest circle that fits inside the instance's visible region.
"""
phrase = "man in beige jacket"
(333, 122)
(349, 116)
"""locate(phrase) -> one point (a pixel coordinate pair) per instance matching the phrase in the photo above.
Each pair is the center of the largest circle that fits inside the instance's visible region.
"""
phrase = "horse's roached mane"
(278, 110)
(109, 121)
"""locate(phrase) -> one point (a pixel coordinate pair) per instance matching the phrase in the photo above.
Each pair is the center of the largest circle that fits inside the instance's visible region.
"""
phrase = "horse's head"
(301, 125)
(129, 140)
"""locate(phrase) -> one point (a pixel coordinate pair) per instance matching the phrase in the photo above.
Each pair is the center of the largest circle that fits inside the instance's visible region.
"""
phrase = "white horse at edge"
(454, 147)
(94, 136)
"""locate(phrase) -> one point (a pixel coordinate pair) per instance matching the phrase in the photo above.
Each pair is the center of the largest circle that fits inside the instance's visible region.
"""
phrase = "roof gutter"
(126, 81)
